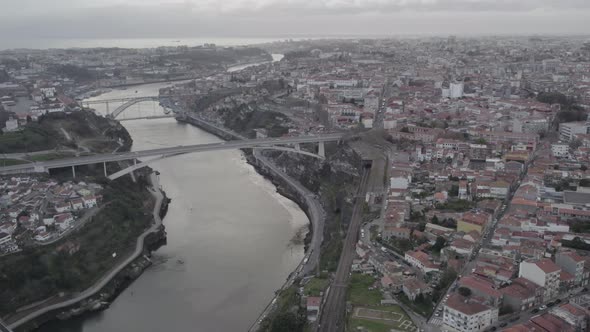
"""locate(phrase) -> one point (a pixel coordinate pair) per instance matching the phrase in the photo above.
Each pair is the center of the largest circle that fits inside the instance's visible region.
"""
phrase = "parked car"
(543, 307)
(534, 311)
(503, 324)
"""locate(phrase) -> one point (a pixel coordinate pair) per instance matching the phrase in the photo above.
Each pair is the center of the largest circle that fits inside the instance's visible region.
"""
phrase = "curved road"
(101, 283)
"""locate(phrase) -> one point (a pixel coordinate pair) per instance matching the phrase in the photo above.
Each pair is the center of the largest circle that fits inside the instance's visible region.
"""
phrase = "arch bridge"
(125, 103)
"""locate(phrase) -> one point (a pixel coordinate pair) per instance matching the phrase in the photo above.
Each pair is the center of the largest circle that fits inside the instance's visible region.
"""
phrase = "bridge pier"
(105, 168)
(132, 173)
(321, 149)
(73, 171)
(297, 146)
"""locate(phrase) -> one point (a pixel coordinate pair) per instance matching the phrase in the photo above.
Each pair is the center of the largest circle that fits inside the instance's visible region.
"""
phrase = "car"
(437, 314)
(494, 328)
(543, 307)
(534, 311)
(550, 304)
(503, 324)
(558, 301)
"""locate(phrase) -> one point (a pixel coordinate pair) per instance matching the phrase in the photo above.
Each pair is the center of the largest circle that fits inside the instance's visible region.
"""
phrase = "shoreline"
(99, 296)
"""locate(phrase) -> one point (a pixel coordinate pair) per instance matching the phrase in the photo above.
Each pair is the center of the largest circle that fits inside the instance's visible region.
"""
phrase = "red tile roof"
(463, 305)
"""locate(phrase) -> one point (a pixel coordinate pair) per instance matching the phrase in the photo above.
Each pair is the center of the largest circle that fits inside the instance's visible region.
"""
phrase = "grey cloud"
(274, 18)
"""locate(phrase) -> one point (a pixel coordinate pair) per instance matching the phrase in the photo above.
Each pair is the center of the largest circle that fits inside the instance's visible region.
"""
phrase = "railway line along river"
(232, 240)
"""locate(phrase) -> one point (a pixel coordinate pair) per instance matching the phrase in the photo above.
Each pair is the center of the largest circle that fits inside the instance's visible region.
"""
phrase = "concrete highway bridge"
(291, 144)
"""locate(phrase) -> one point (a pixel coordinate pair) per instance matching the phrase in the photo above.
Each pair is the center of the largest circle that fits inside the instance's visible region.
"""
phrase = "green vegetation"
(464, 291)
(439, 244)
(331, 253)
(75, 72)
(579, 226)
(47, 133)
(569, 112)
(361, 291)
(315, 286)
(423, 305)
(289, 316)
(457, 205)
(445, 281)
(244, 119)
(12, 162)
(576, 243)
(74, 263)
(402, 324)
(357, 324)
(34, 137)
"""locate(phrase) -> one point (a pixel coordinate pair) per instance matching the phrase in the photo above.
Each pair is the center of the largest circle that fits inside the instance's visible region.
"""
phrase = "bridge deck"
(111, 157)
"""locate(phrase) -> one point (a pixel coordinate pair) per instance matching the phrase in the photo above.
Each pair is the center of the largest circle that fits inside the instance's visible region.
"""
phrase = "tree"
(583, 168)
(434, 220)
(464, 291)
(575, 144)
(454, 192)
(285, 322)
(480, 141)
(439, 244)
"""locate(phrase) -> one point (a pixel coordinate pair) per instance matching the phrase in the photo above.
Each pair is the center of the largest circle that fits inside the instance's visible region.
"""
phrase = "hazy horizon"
(119, 19)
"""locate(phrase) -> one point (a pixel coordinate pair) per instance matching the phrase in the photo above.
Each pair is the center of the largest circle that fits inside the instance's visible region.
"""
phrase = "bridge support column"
(297, 146)
(108, 110)
(321, 149)
(74, 172)
(105, 168)
(132, 173)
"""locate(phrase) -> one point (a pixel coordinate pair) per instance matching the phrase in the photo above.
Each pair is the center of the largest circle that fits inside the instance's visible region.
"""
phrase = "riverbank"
(287, 187)
(98, 296)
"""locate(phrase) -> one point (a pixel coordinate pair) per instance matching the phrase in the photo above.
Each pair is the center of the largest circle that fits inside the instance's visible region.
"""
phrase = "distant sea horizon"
(62, 43)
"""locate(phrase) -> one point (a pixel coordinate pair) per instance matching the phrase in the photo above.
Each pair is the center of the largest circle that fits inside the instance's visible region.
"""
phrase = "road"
(158, 196)
(316, 216)
(332, 317)
(177, 150)
(485, 242)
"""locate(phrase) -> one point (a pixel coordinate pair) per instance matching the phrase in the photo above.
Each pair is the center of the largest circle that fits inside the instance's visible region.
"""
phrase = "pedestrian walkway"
(436, 321)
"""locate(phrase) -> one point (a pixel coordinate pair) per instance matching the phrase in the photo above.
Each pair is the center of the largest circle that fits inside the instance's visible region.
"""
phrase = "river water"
(232, 240)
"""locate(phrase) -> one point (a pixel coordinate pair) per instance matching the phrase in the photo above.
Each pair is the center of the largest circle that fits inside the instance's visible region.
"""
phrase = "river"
(232, 240)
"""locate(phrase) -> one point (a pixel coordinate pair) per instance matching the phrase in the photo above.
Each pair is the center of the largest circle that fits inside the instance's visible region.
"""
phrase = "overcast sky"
(282, 18)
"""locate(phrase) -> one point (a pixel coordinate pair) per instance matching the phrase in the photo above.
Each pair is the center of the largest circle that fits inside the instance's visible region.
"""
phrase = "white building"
(11, 125)
(462, 315)
(560, 150)
(421, 261)
(568, 130)
(456, 90)
(48, 92)
(544, 273)
(89, 201)
(63, 207)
